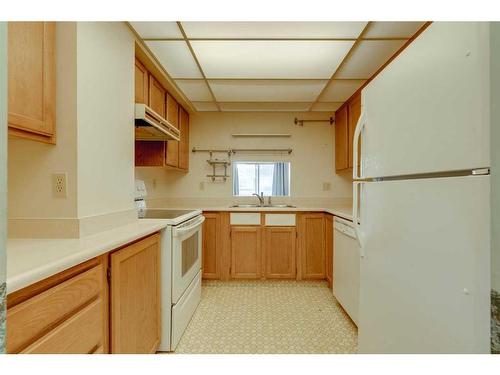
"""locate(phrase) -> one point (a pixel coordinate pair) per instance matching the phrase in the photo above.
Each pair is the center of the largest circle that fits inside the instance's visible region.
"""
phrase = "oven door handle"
(182, 230)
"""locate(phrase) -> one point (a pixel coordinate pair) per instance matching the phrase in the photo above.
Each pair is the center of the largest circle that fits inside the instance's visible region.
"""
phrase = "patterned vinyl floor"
(268, 317)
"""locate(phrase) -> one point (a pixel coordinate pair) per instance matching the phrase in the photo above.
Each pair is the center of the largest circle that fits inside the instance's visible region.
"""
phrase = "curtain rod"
(235, 150)
(301, 122)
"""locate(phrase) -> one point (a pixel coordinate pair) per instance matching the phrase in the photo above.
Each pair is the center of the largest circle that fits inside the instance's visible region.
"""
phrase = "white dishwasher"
(346, 264)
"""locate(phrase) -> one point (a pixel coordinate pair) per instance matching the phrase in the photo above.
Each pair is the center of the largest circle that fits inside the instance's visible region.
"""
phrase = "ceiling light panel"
(265, 107)
(340, 90)
(195, 90)
(267, 90)
(175, 58)
(270, 59)
(393, 29)
(157, 30)
(369, 56)
(205, 106)
(263, 30)
(325, 107)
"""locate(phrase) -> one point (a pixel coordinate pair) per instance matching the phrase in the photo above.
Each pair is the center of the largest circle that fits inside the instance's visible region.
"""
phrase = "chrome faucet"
(261, 198)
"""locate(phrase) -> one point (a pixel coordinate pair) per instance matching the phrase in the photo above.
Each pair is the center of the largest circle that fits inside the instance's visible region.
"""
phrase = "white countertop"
(31, 260)
(344, 211)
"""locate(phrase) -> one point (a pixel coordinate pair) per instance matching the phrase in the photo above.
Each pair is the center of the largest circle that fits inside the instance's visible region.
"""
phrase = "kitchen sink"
(263, 206)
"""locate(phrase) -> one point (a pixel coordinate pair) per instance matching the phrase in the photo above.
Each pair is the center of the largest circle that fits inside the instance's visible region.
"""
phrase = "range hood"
(150, 126)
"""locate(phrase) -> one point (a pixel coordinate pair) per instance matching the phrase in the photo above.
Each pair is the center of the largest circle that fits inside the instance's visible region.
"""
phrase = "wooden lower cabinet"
(329, 249)
(83, 311)
(135, 297)
(64, 314)
(246, 252)
(211, 246)
(304, 251)
(280, 254)
(311, 238)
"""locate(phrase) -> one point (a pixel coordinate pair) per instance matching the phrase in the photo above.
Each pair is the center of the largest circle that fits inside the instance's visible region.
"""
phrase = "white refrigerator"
(422, 197)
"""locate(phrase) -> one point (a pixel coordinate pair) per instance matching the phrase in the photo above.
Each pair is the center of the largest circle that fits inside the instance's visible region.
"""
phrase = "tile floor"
(268, 317)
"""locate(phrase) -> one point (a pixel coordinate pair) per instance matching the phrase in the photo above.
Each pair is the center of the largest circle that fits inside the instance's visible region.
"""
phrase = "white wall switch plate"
(327, 186)
(59, 185)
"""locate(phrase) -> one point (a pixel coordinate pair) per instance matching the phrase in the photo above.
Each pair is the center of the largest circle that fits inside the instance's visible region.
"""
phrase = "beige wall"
(3, 181)
(105, 118)
(312, 161)
(3, 173)
(495, 153)
(31, 164)
(95, 136)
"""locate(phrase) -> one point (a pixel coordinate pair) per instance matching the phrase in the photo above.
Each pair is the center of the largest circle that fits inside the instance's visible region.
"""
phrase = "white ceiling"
(272, 66)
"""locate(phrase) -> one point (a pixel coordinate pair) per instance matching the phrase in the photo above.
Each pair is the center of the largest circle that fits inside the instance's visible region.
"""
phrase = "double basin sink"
(263, 206)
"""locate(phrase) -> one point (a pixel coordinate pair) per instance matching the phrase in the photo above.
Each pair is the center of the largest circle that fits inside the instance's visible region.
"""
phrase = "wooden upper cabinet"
(211, 255)
(354, 113)
(32, 80)
(172, 111)
(280, 253)
(341, 139)
(246, 254)
(174, 154)
(311, 238)
(172, 157)
(157, 96)
(141, 83)
(184, 143)
(135, 297)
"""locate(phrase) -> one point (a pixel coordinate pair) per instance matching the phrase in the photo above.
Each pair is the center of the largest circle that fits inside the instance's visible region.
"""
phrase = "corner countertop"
(30, 260)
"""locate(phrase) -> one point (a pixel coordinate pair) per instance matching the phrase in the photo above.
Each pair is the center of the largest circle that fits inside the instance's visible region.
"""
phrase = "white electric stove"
(180, 266)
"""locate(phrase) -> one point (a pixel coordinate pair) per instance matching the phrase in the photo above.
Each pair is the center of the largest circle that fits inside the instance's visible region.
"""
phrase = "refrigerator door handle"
(357, 133)
(355, 216)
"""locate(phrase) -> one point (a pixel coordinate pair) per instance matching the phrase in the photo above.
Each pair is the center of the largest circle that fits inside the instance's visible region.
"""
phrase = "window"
(272, 179)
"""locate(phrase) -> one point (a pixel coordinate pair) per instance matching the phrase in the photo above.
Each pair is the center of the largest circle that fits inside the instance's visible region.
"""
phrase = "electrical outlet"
(202, 185)
(326, 186)
(59, 185)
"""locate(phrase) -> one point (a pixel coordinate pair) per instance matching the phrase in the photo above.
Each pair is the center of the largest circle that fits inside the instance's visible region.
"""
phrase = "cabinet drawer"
(280, 220)
(244, 218)
(80, 334)
(34, 317)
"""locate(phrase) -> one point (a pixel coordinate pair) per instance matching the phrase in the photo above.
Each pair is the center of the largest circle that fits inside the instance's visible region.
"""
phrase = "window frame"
(257, 165)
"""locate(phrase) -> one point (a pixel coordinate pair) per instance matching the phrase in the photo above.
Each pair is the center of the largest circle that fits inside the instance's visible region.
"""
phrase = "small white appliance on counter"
(346, 267)
(180, 266)
(424, 196)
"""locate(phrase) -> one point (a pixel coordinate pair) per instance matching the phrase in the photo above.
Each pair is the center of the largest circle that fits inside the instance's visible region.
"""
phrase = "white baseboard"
(68, 227)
